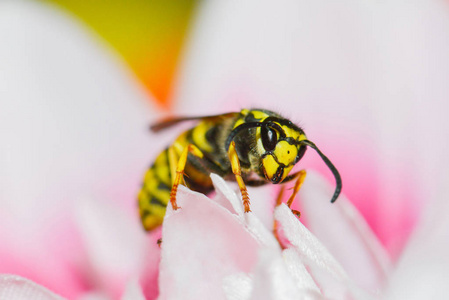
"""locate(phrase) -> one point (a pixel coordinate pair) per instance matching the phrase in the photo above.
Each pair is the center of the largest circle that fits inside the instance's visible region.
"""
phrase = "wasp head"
(280, 149)
(279, 145)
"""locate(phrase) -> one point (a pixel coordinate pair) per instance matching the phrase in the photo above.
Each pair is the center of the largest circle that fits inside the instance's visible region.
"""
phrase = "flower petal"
(273, 281)
(202, 242)
(14, 287)
(114, 244)
(70, 112)
(423, 269)
(344, 232)
(238, 286)
(299, 272)
(252, 222)
(306, 243)
(329, 275)
(133, 291)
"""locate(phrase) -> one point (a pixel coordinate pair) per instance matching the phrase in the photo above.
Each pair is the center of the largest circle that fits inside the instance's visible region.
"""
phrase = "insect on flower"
(253, 147)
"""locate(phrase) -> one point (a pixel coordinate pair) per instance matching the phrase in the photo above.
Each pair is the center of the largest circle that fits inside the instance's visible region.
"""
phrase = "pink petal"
(298, 272)
(114, 242)
(344, 232)
(307, 244)
(202, 243)
(423, 270)
(329, 275)
(71, 111)
(282, 277)
(260, 230)
(17, 288)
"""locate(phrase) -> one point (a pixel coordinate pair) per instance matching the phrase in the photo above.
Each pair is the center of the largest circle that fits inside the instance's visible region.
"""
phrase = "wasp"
(252, 147)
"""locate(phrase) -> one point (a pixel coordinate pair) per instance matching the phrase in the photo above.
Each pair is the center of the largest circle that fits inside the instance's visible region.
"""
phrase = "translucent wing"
(170, 121)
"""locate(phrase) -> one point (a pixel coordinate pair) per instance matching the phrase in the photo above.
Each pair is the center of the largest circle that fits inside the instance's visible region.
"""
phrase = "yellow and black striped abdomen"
(155, 192)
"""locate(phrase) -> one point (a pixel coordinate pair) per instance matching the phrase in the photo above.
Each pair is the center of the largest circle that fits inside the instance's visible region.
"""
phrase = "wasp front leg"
(178, 167)
(235, 164)
(300, 176)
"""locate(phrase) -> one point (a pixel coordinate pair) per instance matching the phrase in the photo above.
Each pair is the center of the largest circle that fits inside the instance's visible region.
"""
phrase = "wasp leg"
(275, 223)
(180, 165)
(300, 176)
(235, 164)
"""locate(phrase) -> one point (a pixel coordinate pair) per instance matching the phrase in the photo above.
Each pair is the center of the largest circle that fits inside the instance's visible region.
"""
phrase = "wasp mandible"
(252, 147)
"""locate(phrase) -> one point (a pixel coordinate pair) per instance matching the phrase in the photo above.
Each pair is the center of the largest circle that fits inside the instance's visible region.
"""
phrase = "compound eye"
(269, 138)
(301, 152)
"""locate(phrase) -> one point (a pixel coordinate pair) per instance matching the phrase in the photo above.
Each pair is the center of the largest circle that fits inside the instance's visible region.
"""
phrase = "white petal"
(263, 197)
(326, 271)
(259, 230)
(114, 241)
(202, 243)
(299, 272)
(307, 244)
(226, 197)
(272, 279)
(133, 291)
(238, 286)
(344, 232)
(17, 288)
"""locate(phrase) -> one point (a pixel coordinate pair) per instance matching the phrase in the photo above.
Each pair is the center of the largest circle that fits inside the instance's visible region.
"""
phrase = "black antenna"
(330, 166)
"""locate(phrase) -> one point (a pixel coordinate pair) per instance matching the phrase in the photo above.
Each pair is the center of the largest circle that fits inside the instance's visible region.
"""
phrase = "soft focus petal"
(73, 125)
(114, 244)
(345, 233)
(133, 291)
(14, 287)
(423, 269)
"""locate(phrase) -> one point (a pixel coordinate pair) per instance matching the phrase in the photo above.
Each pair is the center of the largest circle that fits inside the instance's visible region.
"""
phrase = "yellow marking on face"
(199, 136)
(270, 166)
(285, 152)
(286, 172)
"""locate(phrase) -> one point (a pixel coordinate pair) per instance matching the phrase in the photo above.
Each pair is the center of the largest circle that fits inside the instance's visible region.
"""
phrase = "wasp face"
(280, 150)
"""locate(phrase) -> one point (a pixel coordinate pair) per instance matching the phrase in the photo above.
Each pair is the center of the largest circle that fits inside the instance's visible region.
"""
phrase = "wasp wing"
(170, 121)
